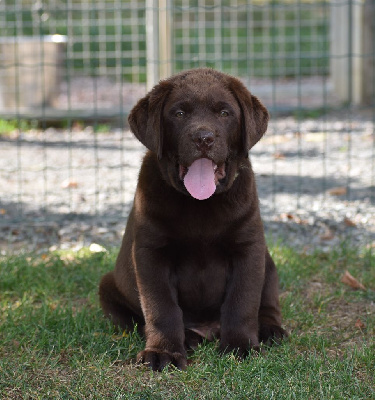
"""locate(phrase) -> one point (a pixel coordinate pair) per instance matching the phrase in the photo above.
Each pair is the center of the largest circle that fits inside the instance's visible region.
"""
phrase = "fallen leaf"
(337, 191)
(349, 280)
(68, 184)
(77, 126)
(292, 217)
(278, 155)
(327, 235)
(119, 337)
(306, 249)
(286, 216)
(3, 211)
(349, 222)
(359, 324)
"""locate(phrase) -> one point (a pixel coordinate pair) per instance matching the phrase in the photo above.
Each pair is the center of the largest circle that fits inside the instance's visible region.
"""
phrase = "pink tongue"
(200, 179)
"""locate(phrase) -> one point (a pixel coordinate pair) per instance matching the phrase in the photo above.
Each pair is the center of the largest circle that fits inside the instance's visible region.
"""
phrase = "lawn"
(55, 343)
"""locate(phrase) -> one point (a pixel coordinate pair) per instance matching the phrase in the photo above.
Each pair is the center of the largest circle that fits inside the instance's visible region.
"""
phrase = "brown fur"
(187, 268)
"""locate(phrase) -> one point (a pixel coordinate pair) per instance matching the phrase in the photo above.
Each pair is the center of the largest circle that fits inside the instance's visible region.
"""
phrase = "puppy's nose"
(203, 139)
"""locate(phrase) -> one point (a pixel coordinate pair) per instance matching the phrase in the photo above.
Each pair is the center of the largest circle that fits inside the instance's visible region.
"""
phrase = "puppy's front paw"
(271, 334)
(242, 347)
(158, 359)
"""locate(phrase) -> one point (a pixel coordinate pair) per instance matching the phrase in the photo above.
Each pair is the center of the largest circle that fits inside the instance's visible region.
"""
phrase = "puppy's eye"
(224, 113)
(180, 114)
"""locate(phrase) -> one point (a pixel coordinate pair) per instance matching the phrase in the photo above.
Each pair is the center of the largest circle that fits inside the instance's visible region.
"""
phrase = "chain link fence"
(71, 70)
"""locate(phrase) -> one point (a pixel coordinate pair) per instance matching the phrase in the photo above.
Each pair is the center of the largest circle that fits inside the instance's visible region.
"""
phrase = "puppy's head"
(201, 124)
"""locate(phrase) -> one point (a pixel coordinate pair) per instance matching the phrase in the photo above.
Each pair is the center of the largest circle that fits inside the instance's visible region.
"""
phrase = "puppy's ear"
(254, 116)
(146, 118)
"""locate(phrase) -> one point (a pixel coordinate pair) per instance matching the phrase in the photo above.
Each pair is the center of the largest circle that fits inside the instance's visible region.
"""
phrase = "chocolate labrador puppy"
(193, 261)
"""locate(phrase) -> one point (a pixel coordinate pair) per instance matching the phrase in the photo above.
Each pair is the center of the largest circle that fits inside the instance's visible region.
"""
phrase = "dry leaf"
(286, 216)
(306, 249)
(337, 191)
(359, 324)
(349, 280)
(68, 184)
(349, 222)
(278, 155)
(292, 217)
(3, 211)
(77, 126)
(119, 337)
(327, 235)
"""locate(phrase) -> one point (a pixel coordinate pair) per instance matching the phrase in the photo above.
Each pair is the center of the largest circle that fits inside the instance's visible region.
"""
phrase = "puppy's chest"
(205, 225)
(201, 271)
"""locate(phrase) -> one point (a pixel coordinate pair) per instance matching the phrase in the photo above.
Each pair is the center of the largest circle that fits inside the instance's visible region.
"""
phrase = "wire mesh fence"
(71, 70)
(246, 38)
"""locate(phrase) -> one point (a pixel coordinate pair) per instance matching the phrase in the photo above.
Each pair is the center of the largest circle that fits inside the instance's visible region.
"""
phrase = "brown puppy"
(194, 261)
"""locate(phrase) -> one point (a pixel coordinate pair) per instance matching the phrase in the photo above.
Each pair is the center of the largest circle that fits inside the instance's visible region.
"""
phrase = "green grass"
(55, 343)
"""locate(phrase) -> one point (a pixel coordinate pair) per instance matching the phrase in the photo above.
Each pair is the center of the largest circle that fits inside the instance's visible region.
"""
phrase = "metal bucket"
(30, 71)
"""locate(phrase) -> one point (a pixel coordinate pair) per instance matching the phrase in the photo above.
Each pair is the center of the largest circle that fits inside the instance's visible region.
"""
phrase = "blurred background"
(71, 70)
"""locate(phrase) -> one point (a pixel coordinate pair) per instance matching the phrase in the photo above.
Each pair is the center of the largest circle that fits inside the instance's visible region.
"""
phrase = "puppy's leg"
(270, 329)
(240, 310)
(164, 328)
(114, 305)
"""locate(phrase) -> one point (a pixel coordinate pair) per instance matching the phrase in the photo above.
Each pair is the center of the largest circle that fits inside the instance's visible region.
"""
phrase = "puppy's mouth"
(202, 177)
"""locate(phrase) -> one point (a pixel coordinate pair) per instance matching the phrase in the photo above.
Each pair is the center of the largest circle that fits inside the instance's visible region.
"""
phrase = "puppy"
(193, 262)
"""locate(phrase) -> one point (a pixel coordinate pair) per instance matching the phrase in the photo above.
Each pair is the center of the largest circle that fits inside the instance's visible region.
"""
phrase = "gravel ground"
(316, 181)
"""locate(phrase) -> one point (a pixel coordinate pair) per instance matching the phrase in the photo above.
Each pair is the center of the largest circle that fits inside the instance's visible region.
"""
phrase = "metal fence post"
(152, 43)
(165, 48)
(368, 83)
(158, 41)
(346, 46)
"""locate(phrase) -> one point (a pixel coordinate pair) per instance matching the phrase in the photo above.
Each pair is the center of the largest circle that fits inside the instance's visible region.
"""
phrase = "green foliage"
(9, 126)
(102, 128)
